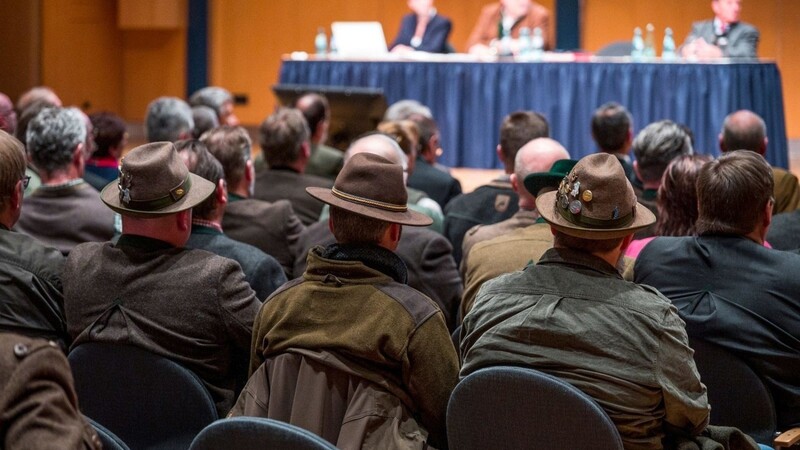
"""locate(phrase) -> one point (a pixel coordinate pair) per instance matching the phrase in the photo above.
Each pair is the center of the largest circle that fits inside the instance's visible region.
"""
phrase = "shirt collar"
(201, 223)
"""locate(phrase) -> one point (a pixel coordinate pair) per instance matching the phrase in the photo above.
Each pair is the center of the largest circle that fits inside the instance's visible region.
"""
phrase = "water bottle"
(637, 45)
(650, 42)
(525, 42)
(321, 42)
(668, 50)
(537, 45)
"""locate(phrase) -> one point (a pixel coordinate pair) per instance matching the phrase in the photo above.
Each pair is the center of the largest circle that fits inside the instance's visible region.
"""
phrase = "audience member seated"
(110, 137)
(204, 119)
(65, 210)
(218, 99)
(729, 289)
(676, 201)
(784, 232)
(512, 244)
(25, 118)
(573, 317)
(423, 29)
(37, 94)
(261, 271)
(723, 37)
(8, 117)
(505, 19)
(403, 109)
(272, 227)
(147, 290)
(497, 200)
(285, 143)
(654, 148)
(38, 404)
(30, 272)
(746, 130)
(428, 255)
(612, 130)
(169, 119)
(325, 161)
(425, 175)
(352, 310)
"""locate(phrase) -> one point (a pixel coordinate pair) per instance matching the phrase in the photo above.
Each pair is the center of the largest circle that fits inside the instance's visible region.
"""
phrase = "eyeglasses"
(25, 180)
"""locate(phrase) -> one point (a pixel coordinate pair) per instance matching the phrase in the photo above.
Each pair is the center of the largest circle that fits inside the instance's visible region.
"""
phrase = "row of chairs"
(491, 408)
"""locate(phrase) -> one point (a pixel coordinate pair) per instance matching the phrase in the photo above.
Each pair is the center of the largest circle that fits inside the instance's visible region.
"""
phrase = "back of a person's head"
(611, 125)
(12, 165)
(517, 129)
(402, 109)
(538, 155)
(282, 136)
(53, 135)
(168, 119)
(37, 94)
(204, 119)
(109, 132)
(380, 144)
(733, 192)
(677, 196)
(657, 145)
(352, 228)
(743, 130)
(202, 163)
(427, 129)
(403, 133)
(8, 116)
(212, 96)
(26, 116)
(231, 146)
(314, 108)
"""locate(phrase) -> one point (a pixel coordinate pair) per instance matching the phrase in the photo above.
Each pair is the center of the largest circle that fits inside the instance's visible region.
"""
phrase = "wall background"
(120, 54)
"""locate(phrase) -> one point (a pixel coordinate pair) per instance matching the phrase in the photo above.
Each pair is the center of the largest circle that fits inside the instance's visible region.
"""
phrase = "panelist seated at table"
(507, 18)
(422, 30)
(722, 37)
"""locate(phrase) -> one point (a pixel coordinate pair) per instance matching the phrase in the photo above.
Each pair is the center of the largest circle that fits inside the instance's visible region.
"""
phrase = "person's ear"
(249, 171)
(514, 182)
(221, 192)
(626, 242)
(184, 220)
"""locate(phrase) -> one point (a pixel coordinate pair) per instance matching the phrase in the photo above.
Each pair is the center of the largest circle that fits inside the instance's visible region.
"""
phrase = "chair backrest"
(109, 440)
(737, 395)
(145, 399)
(616, 48)
(521, 408)
(256, 433)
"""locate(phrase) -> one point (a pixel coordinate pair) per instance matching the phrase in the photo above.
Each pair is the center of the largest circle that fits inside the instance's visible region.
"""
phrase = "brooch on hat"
(124, 185)
(570, 196)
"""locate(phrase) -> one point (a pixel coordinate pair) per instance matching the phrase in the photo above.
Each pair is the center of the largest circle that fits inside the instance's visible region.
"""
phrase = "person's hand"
(482, 50)
(400, 49)
(701, 49)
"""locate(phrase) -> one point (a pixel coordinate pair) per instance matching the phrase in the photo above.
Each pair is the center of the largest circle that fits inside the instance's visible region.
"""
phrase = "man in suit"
(612, 130)
(285, 142)
(746, 130)
(261, 270)
(30, 272)
(324, 161)
(438, 184)
(353, 300)
(65, 210)
(148, 290)
(497, 200)
(422, 30)
(572, 316)
(38, 404)
(505, 19)
(272, 227)
(728, 287)
(724, 36)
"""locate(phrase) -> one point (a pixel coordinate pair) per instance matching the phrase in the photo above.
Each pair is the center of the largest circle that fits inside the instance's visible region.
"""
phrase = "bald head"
(378, 144)
(538, 155)
(743, 130)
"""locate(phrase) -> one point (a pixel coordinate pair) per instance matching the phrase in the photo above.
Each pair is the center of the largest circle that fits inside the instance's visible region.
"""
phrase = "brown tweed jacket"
(285, 184)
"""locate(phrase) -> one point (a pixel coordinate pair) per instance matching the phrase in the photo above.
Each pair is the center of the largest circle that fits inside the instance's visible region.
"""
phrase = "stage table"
(470, 98)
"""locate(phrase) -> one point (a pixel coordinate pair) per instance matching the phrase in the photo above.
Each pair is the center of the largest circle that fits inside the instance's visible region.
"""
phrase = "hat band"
(174, 196)
(368, 202)
(578, 219)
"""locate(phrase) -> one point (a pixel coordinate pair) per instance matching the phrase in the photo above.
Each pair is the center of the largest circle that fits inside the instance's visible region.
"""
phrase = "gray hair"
(167, 119)
(403, 109)
(657, 145)
(53, 135)
(212, 96)
(205, 119)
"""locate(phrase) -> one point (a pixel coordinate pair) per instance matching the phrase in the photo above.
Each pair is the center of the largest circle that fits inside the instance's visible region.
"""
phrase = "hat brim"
(546, 205)
(408, 217)
(535, 182)
(201, 189)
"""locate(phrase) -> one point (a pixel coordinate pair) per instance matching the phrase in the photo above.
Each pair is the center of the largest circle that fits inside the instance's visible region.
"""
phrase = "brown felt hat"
(154, 181)
(595, 201)
(371, 186)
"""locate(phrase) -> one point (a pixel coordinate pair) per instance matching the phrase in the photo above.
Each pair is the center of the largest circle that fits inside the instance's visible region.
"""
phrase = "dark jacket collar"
(372, 256)
(578, 259)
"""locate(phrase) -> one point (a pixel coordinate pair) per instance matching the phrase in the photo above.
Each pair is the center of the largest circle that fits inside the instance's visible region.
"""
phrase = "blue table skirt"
(470, 99)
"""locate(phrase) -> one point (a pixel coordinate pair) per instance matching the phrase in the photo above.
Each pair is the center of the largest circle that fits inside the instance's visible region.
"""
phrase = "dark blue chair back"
(521, 408)
(737, 395)
(109, 440)
(257, 433)
(147, 400)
